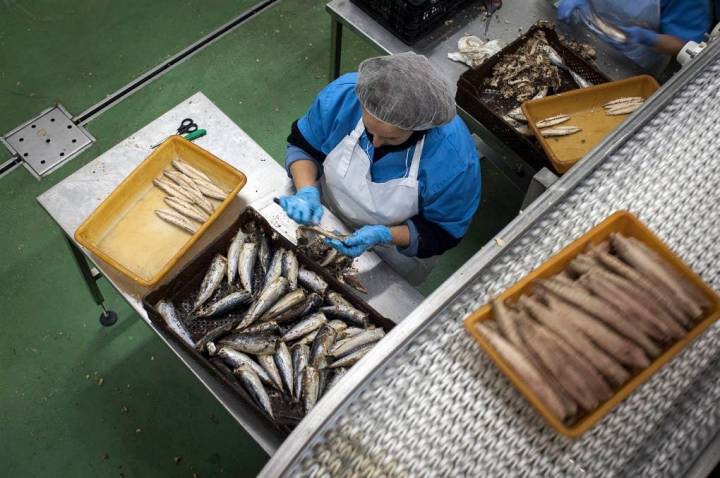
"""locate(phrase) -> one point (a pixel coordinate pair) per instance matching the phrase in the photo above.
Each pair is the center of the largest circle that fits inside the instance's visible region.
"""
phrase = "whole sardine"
(346, 346)
(210, 189)
(235, 359)
(307, 339)
(254, 387)
(348, 314)
(271, 327)
(304, 327)
(189, 171)
(176, 220)
(283, 361)
(263, 254)
(352, 358)
(300, 357)
(310, 388)
(531, 377)
(255, 344)
(311, 303)
(267, 361)
(600, 309)
(288, 301)
(211, 281)
(169, 314)
(324, 341)
(353, 280)
(269, 295)
(606, 365)
(312, 281)
(214, 334)
(187, 209)
(172, 189)
(335, 298)
(552, 121)
(517, 115)
(246, 264)
(275, 267)
(225, 305)
(291, 268)
(507, 324)
(234, 255)
(352, 331)
(338, 325)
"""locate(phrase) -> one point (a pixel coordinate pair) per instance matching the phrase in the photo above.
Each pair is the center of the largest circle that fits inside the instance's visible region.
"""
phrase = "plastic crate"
(410, 20)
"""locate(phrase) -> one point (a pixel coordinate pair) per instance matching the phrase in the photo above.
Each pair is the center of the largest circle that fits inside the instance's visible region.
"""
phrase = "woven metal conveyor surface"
(439, 407)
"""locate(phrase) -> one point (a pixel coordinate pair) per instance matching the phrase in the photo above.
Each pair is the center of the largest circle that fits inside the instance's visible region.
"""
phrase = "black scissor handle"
(187, 126)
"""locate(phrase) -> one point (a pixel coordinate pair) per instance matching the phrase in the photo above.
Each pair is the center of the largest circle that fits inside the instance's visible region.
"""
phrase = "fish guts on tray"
(267, 319)
(576, 337)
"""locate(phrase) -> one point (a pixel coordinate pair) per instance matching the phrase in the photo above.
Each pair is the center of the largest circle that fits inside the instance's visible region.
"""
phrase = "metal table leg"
(107, 317)
(336, 30)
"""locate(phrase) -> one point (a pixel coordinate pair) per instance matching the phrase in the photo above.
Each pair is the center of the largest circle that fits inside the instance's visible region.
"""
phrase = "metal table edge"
(331, 405)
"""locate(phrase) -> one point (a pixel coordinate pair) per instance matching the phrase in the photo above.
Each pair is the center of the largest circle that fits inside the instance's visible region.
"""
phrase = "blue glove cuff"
(312, 192)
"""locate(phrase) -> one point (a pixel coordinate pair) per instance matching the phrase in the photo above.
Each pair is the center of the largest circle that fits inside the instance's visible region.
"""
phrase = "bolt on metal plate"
(47, 141)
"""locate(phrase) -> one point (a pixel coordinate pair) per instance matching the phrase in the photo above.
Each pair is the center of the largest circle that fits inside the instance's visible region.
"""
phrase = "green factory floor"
(78, 399)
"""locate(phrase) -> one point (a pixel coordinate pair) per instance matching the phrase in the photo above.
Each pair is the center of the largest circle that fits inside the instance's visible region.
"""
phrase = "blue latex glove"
(641, 36)
(566, 7)
(304, 207)
(362, 240)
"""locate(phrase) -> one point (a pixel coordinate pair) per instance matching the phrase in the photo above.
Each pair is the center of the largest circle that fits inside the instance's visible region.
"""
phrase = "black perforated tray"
(488, 109)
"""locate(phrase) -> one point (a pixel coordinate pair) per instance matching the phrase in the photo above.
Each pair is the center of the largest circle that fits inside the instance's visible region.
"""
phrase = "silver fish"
(353, 280)
(270, 294)
(211, 348)
(348, 314)
(211, 281)
(324, 232)
(214, 334)
(187, 209)
(275, 268)
(235, 359)
(291, 268)
(552, 121)
(304, 327)
(337, 375)
(352, 358)
(310, 388)
(176, 220)
(246, 264)
(169, 314)
(312, 281)
(189, 171)
(335, 298)
(289, 301)
(256, 344)
(559, 131)
(268, 327)
(300, 359)
(308, 339)
(311, 303)
(267, 361)
(254, 387)
(234, 255)
(283, 361)
(225, 305)
(351, 343)
(324, 341)
(263, 254)
(338, 325)
(172, 189)
(517, 115)
(352, 331)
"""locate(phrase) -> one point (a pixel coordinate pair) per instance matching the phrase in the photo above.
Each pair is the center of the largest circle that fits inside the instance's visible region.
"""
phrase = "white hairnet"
(405, 91)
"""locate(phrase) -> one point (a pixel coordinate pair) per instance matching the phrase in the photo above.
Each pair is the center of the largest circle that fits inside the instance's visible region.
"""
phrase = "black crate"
(410, 20)
(487, 109)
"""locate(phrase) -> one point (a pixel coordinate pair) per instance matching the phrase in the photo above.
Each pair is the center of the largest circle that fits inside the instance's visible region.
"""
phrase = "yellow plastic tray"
(627, 224)
(124, 230)
(585, 109)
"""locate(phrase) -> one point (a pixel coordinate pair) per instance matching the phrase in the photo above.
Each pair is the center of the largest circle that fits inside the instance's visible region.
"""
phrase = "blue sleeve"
(294, 153)
(685, 19)
(412, 249)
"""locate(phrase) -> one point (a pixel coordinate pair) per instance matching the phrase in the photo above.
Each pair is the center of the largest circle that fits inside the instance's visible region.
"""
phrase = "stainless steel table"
(430, 403)
(515, 17)
(73, 199)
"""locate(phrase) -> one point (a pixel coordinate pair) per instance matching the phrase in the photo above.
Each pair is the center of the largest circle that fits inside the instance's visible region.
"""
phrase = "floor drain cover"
(48, 140)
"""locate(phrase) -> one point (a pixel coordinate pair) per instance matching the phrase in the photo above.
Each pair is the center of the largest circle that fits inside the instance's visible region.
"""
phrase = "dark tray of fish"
(300, 327)
(488, 103)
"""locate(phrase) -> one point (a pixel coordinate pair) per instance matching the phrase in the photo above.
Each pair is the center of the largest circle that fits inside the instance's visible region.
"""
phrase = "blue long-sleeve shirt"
(448, 177)
(686, 19)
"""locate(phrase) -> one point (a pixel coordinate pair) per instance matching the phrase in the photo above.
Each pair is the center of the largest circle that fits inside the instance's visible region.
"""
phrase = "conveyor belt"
(427, 402)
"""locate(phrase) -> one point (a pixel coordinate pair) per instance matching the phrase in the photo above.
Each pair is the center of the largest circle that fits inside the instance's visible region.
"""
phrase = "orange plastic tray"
(627, 224)
(124, 230)
(585, 109)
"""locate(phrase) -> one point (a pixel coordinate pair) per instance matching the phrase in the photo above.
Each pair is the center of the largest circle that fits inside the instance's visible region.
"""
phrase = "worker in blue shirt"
(656, 29)
(385, 151)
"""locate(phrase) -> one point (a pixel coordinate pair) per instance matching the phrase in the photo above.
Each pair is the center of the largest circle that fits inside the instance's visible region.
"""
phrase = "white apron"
(350, 193)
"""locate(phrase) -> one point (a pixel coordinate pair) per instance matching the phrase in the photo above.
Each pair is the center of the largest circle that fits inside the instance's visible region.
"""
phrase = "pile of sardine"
(584, 332)
(189, 194)
(311, 242)
(282, 332)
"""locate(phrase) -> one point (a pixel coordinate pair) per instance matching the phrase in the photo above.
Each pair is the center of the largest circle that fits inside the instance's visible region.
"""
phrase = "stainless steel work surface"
(515, 17)
(430, 403)
(73, 199)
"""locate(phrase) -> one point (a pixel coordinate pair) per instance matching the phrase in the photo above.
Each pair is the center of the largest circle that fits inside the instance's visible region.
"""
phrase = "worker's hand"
(362, 240)
(304, 207)
(641, 36)
(566, 7)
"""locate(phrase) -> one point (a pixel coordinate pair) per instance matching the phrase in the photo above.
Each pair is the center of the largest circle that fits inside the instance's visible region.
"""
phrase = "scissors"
(491, 6)
(188, 127)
